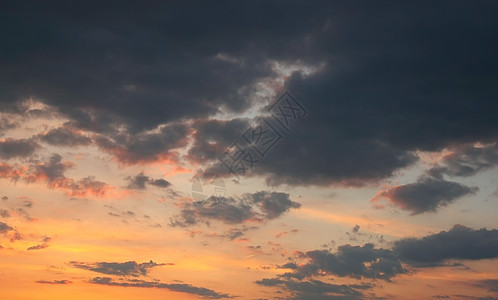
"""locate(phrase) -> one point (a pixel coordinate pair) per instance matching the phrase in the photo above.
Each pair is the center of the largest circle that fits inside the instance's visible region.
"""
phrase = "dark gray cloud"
(260, 206)
(147, 70)
(368, 262)
(226, 210)
(491, 285)
(177, 287)
(212, 137)
(372, 104)
(432, 191)
(315, 289)
(394, 77)
(460, 242)
(145, 147)
(139, 182)
(4, 227)
(163, 183)
(352, 261)
(272, 204)
(129, 268)
(426, 195)
(466, 160)
(12, 148)
(54, 281)
(64, 136)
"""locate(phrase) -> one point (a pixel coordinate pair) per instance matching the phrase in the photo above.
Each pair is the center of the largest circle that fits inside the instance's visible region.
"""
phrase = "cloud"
(4, 213)
(352, 261)
(466, 161)
(370, 107)
(491, 285)
(11, 148)
(27, 203)
(272, 204)
(38, 247)
(368, 262)
(129, 268)
(432, 191)
(133, 148)
(426, 195)
(4, 227)
(52, 172)
(212, 137)
(64, 136)
(315, 289)
(260, 206)
(176, 287)
(459, 242)
(139, 181)
(156, 87)
(226, 210)
(54, 281)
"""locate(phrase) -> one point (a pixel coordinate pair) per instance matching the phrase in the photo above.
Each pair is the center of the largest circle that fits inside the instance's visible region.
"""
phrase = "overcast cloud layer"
(393, 78)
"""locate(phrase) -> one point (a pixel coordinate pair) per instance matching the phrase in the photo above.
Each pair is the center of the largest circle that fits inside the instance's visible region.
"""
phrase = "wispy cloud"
(129, 268)
(177, 287)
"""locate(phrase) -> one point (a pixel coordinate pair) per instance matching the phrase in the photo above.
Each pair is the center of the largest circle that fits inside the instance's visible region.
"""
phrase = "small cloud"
(460, 242)
(261, 206)
(316, 289)
(139, 182)
(4, 227)
(54, 281)
(426, 195)
(38, 247)
(129, 268)
(177, 287)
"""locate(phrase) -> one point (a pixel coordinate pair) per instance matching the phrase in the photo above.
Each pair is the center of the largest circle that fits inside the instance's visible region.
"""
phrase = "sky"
(249, 150)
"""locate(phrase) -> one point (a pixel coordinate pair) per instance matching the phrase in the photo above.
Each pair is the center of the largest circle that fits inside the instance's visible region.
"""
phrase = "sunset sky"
(249, 150)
